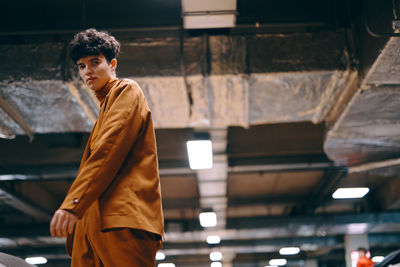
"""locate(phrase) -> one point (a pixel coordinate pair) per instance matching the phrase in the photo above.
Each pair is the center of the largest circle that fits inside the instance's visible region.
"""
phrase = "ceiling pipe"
(374, 165)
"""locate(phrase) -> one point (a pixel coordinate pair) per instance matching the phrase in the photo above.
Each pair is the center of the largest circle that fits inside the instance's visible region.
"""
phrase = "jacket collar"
(102, 92)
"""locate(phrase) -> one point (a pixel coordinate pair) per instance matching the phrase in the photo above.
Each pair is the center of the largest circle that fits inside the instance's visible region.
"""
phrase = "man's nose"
(88, 71)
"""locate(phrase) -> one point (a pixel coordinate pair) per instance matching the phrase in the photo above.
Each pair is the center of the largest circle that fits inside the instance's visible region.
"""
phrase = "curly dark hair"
(92, 42)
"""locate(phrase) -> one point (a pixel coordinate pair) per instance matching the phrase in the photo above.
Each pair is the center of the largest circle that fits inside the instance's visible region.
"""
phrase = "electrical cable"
(368, 28)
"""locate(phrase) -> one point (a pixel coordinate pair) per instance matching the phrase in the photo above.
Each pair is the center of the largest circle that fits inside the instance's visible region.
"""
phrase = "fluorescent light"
(208, 219)
(351, 192)
(216, 264)
(160, 256)
(377, 259)
(216, 256)
(213, 239)
(289, 251)
(200, 154)
(36, 260)
(209, 21)
(208, 5)
(270, 266)
(278, 262)
(165, 265)
(208, 14)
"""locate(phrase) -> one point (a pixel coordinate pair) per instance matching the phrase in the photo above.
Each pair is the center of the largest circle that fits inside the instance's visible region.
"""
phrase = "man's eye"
(81, 67)
(95, 62)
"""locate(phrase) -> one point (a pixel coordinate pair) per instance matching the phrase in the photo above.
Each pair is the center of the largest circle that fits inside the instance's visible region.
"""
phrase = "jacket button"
(75, 201)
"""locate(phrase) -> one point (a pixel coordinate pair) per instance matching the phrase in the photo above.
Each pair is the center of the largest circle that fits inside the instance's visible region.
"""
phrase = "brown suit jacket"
(119, 168)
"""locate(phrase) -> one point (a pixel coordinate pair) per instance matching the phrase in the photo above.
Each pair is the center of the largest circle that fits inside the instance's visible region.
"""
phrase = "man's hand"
(63, 223)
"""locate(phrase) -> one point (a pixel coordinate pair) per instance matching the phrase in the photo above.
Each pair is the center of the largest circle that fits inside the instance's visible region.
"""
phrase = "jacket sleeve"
(120, 127)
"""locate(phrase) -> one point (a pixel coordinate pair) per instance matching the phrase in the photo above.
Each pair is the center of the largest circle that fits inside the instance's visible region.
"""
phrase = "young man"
(112, 214)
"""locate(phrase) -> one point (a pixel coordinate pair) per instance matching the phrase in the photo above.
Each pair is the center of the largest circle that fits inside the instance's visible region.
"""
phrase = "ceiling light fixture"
(350, 192)
(160, 256)
(165, 265)
(200, 154)
(216, 264)
(377, 259)
(208, 219)
(277, 262)
(213, 239)
(216, 256)
(36, 260)
(289, 251)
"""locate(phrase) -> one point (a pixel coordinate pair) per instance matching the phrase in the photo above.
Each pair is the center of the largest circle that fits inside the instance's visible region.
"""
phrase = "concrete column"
(227, 259)
(311, 263)
(352, 243)
(212, 182)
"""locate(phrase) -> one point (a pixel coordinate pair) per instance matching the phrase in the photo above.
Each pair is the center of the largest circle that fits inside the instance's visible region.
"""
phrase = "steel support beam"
(32, 173)
(374, 165)
(259, 228)
(25, 206)
(324, 189)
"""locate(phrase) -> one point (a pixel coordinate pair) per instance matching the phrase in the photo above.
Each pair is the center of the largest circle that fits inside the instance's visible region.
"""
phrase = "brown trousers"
(117, 247)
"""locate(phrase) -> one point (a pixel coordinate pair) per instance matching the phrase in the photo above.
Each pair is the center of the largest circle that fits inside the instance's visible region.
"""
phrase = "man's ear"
(114, 64)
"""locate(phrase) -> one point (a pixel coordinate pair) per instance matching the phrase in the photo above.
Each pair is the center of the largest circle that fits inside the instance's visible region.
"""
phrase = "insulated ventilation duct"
(208, 14)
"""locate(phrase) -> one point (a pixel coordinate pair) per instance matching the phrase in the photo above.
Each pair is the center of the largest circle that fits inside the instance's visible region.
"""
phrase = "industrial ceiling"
(298, 97)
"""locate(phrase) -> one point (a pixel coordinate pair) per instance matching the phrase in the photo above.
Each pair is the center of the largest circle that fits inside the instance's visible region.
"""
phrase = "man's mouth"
(89, 80)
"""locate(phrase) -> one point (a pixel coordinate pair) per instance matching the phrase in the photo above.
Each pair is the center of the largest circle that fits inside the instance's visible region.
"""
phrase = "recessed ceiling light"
(277, 262)
(36, 260)
(160, 256)
(165, 265)
(200, 154)
(289, 251)
(350, 192)
(216, 256)
(208, 219)
(216, 264)
(213, 239)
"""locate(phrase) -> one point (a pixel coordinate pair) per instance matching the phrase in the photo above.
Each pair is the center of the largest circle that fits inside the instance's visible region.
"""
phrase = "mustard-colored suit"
(116, 194)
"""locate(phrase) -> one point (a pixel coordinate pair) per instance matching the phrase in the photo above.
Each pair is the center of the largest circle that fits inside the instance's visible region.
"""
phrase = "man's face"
(95, 71)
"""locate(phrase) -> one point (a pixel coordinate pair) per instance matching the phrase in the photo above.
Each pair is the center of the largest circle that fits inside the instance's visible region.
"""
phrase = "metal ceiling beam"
(310, 245)
(374, 165)
(62, 172)
(6, 196)
(255, 228)
(296, 225)
(281, 167)
(324, 189)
